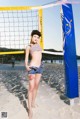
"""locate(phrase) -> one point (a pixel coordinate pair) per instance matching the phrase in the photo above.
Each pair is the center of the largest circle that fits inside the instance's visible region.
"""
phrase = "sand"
(51, 100)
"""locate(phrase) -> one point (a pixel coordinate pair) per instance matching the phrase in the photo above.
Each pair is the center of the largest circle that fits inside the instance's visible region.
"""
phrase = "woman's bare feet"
(30, 114)
(34, 105)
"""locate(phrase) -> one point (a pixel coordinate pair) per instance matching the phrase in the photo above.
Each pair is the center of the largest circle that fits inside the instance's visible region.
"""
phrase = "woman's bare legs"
(30, 94)
(34, 80)
(36, 85)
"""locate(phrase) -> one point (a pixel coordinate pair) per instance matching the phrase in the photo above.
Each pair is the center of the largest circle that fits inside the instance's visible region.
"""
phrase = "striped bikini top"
(35, 47)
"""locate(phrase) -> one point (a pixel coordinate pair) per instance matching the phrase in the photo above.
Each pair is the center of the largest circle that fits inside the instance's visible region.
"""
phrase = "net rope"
(56, 3)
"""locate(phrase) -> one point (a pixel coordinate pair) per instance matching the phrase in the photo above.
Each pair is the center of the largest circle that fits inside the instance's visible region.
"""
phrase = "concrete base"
(74, 101)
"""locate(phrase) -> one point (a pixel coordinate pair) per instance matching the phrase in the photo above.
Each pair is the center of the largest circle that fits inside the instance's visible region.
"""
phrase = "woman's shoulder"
(28, 46)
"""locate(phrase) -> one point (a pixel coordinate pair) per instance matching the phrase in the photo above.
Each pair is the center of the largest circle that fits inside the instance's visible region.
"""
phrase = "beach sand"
(51, 100)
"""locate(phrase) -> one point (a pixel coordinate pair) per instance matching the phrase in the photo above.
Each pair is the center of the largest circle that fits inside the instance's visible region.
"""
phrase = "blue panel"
(70, 60)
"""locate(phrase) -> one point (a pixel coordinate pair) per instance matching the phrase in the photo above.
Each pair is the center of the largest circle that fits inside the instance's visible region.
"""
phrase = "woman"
(34, 68)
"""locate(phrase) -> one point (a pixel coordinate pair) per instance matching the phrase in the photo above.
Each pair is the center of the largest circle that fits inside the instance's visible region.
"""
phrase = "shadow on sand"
(54, 77)
(15, 81)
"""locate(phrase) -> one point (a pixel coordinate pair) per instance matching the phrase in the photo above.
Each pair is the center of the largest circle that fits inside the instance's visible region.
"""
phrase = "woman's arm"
(27, 57)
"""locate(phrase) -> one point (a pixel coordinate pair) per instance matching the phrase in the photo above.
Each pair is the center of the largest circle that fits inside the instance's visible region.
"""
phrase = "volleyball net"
(16, 25)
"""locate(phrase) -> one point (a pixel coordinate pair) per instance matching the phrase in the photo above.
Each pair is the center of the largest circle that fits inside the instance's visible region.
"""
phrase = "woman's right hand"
(28, 68)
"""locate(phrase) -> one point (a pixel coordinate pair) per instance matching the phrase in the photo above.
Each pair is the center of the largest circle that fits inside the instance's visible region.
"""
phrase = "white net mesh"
(16, 27)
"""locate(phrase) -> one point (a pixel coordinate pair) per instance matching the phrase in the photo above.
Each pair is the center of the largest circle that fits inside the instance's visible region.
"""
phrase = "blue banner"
(69, 48)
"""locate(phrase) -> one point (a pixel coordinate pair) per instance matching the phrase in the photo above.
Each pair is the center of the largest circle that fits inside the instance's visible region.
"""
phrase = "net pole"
(70, 60)
(40, 13)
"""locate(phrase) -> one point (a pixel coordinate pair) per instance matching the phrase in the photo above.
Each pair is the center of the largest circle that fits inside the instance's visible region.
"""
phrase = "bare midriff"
(36, 57)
